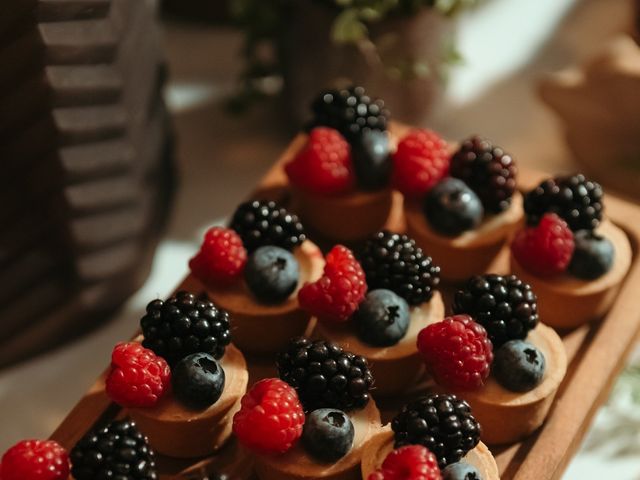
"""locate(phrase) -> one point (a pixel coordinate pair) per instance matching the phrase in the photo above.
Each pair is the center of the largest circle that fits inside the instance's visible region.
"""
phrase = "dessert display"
(461, 208)
(433, 437)
(496, 355)
(183, 382)
(254, 270)
(343, 169)
(315, 420)
(397, 297)
(569, 252)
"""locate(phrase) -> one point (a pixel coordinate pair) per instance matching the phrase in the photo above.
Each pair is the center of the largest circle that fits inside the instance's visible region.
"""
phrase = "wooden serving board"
(596, 354)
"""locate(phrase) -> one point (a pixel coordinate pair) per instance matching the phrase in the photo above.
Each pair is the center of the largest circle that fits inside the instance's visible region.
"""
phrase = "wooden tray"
(596, 353)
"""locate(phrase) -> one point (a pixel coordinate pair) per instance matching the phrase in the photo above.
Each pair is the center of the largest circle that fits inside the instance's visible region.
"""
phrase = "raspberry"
(457, 352)
(138, 378)
(545, 250)
(35, 460)
(411, 462)
(421, 160)
(324, 165)
(221, 258)
(337, 294)
(270, 419)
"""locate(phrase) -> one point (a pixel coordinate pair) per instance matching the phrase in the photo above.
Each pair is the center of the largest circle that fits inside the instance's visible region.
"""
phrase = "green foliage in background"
(262, 22)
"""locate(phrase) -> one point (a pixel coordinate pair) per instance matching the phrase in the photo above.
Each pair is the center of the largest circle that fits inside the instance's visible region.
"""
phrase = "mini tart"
(506, 416)
(470, 253)
(297, 464)
(262, 329)
(344, 218)
(566, 301)
(396, 368)
(176, 431)
(382, 444)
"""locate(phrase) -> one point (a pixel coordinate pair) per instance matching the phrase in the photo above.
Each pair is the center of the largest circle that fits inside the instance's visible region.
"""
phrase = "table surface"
(222, 157)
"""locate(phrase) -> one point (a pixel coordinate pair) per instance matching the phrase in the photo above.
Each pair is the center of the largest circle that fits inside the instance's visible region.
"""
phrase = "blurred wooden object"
(599, 105)
(216, 11)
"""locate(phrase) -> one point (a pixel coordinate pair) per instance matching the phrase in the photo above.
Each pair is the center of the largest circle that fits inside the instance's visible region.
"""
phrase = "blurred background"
(183, 119)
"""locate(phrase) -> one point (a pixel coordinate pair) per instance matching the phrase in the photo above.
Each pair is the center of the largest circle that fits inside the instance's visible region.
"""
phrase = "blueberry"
(593, 256)
(328, 434)
(198, 380)
(272, 274)
(518, 366)
(452, 208)
(382, 318)
(371, 159)
(461, 471)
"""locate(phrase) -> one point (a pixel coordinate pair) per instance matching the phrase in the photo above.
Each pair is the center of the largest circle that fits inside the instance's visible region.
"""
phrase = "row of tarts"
(328, 336)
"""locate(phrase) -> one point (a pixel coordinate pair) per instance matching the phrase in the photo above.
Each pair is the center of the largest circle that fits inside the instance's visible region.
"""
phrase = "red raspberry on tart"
(420, 162)
(138, 377)
(546, 249)
(35, 460)
(411, 462)
(324, 165)
(271, 418)
(337, 294)
(457, 351)
(221, 258)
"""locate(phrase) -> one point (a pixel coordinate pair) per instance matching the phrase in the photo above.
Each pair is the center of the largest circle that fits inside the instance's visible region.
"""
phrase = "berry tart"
(254, 270)
(340, 173)
(461, 208)
(434, 437)
(397, 297)
(572, 255)
(496, 355)
(315, 420)
(182, 382)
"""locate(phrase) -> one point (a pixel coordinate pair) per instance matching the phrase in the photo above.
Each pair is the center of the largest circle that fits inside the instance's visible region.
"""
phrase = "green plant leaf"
(348, 28)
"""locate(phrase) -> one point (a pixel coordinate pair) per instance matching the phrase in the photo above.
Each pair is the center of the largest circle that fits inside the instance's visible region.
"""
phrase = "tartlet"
(570, 252)
(401, 300)
(340, 172)
(398, 367)
(176, 430)
(263, 329)
(467, 208)
(506, 416)
(567, 301)
(382, 444)
(254, 270)
(296, 464)
(471, 252)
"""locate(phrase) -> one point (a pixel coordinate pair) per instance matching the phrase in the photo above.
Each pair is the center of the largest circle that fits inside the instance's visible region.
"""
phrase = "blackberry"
(350, 111)
(184, 325)
(443, 423)
(117, 451)
(261, 223)
(574, 198)
(504, 305)
(394, 262)
(324, 375)
(488, 171)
